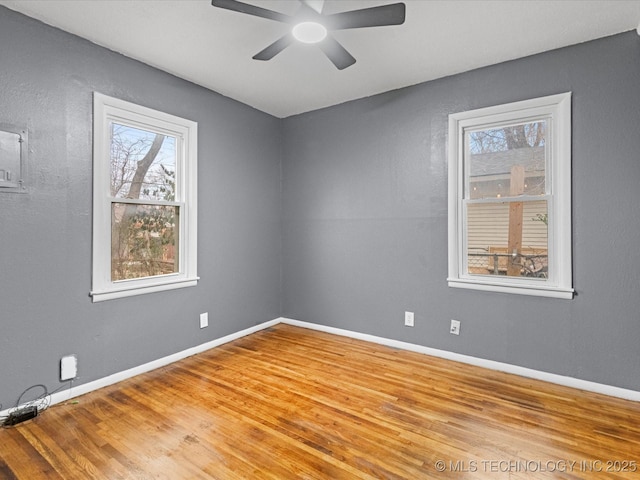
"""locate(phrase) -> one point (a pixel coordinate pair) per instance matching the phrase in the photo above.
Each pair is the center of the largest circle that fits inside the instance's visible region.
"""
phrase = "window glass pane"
(144, 240)
(507, 238)
(143, 164)
(506, 161)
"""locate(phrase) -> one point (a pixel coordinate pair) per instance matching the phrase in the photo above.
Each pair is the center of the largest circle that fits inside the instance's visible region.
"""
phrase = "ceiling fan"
(310, 25)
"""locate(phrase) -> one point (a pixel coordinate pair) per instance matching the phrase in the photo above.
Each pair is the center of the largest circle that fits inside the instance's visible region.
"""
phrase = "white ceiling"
(213, 47)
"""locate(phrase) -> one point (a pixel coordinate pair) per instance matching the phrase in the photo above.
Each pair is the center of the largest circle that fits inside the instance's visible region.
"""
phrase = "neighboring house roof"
(500, 163)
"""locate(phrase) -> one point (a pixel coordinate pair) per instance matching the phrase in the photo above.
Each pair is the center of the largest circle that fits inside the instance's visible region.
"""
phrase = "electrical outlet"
(455, 327)
(408, 319)
(204, 319)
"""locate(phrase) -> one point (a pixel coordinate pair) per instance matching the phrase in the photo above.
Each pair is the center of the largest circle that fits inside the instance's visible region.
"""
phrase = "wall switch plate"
(408, 319)
(68, 367)
(204, 319)
(13, 153)
(455, 327)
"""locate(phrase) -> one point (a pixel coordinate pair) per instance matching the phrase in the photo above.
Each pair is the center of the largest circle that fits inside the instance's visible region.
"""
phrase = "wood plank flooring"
(292, 403)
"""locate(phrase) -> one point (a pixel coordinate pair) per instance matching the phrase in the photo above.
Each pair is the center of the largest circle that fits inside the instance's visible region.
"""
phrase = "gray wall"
(351, 234)
(365, 218)
(46, 82)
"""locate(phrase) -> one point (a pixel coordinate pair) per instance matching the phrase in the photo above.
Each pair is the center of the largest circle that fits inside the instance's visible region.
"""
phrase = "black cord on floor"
(42, 401)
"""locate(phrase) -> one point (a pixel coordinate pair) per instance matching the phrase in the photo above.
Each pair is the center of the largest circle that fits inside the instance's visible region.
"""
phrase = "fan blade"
(317, 5)
(367, 17)
(336, 53)
(275, 48)
(236, 6)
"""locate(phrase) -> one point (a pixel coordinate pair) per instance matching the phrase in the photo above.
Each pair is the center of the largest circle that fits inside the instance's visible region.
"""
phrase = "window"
(144, 200)
(510, 198)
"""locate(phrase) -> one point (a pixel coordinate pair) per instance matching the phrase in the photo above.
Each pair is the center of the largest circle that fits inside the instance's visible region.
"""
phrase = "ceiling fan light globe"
(309, 32)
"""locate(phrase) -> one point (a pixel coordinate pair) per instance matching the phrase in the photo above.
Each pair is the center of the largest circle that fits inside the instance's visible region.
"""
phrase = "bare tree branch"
(143, 167)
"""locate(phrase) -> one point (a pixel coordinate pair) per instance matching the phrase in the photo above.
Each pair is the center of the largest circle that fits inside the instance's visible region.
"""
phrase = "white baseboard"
(612, 391)
(480, 362)
(72, 392)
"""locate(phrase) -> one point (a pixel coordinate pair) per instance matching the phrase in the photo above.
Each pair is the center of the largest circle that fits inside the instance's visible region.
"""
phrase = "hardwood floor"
(288, 403)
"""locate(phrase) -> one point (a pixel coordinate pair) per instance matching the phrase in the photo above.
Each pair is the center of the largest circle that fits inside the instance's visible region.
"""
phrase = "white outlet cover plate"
(204, 320)
(455, 327)
(408, 319)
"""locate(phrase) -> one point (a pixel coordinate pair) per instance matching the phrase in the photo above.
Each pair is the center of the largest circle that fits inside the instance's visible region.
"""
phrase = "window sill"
(533, 290)
(130, 291)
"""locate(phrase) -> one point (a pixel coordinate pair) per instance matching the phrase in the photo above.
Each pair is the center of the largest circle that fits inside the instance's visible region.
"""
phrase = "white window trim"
(106, 110)
(560, 283)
